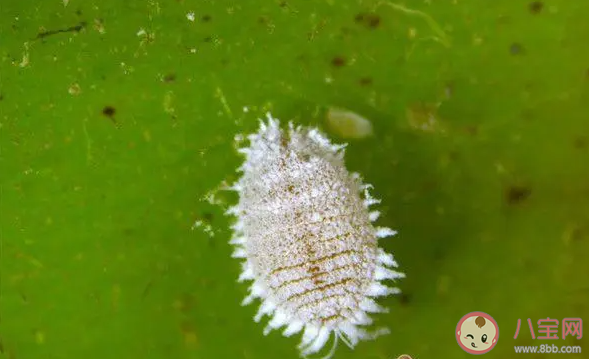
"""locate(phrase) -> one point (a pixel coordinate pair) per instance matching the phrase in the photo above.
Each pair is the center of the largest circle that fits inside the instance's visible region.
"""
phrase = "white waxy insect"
(304, 231)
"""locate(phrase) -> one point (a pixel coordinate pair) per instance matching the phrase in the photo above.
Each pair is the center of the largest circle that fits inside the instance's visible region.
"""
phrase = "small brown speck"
(580, 142)
(536, 7)
(263, 20)
(284, 142)
(185, 303)
(516, 49)
(186, 326)
(404, 298)
(578, 234)
(369, 20)
(170, 77)
(438, 254)
(1, 96)
(429, 185)
(283, 4)
(365, 81)
(109, 111)
(472, 130)
(206, 18)
(338, 61)
(318, 281)
(517, 194)
(207, 216)
(345, 31)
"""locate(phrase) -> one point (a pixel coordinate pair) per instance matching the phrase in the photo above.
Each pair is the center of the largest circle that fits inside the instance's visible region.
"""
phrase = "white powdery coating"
(304, 231)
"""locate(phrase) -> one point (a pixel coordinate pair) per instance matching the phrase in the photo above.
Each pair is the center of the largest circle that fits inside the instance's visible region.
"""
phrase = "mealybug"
(304, 231)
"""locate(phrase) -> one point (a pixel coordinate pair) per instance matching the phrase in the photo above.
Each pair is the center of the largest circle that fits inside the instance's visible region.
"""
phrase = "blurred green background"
(117, 121)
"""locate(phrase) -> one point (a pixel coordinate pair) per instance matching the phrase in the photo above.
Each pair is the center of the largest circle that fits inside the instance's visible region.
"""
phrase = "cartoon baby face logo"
(477, 333)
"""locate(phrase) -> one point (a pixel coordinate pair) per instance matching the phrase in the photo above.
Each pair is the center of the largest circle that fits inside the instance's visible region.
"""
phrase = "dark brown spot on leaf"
(366, 81)
(170, 78)
(208, 216)
(369, 20)
(536, 7)
(75, 28)
(517, 194)
(404, 298)
(516, 49)
(109, 111)
(338, 61)
(206, 18)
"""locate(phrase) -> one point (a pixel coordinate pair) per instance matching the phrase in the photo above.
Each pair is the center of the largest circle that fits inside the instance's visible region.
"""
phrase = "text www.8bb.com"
(547, 348)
